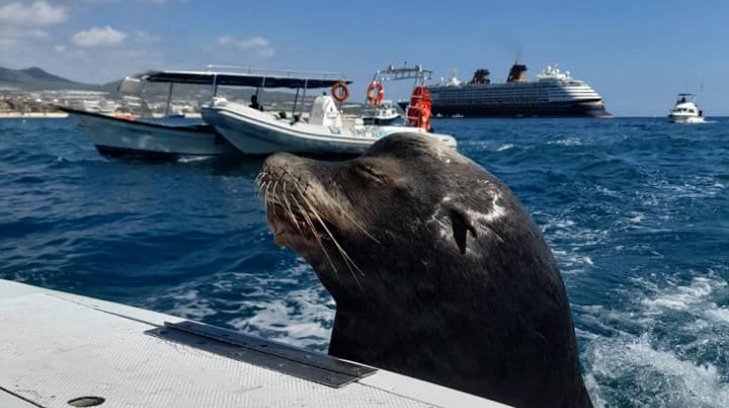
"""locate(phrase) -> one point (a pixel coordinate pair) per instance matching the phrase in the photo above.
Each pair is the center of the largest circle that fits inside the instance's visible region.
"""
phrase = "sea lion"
(437, 270)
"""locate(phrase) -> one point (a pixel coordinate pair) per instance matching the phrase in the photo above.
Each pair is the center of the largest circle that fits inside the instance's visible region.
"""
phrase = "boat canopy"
(276, 80)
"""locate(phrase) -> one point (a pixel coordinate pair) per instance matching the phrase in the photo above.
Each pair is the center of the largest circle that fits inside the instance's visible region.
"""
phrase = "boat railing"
(276, 72)
(399, 73)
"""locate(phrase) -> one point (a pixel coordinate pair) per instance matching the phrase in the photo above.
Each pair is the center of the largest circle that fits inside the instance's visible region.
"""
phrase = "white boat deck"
(56, 347)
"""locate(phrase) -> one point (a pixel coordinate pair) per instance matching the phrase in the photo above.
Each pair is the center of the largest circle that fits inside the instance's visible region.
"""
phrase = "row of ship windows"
(514, 91)
(451, 95)
(532, 96)
(517, 99)
(497, 100)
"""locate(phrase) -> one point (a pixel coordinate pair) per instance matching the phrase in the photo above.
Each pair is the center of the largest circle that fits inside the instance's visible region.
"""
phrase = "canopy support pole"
(296, 100)
(169, 102)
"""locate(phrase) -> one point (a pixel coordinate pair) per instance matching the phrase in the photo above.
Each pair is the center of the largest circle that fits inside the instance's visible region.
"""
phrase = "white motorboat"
(252, 129)
(325, 131)
(686, 110)
(128, 134)
(125, 135)
(384, 114)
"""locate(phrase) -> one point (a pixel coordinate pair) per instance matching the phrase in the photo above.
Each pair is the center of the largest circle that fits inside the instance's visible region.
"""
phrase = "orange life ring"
(340, 92)
(420, 109)
(375, 93)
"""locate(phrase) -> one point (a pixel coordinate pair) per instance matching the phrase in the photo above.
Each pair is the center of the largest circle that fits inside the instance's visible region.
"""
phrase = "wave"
(666, 349)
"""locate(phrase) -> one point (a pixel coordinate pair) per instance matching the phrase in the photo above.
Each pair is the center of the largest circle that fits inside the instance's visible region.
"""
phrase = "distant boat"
(384, 114)
(125, 134)
(380, 111)
(686, 110)
(553, 94)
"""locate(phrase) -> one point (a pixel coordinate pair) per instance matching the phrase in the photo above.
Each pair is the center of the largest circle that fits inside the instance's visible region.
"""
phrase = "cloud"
(98, 37)
(164, 1)
(257, 45)
(37, 14)
(145, 38)
(11, 37)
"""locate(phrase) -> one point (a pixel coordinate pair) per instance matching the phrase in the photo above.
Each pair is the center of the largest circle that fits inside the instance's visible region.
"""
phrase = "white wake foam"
(638, 364)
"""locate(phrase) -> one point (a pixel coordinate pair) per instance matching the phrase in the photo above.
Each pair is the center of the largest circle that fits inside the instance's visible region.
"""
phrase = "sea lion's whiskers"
(316, 234)
(257, 190)
(290, 211)
(261, 192)
(313, 228)
(353, 221)
(260, 179)
(342, 211)
(272, 196)
(347, 259)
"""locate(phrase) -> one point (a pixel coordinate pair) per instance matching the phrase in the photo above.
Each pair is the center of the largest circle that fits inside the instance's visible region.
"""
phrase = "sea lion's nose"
(280, 160)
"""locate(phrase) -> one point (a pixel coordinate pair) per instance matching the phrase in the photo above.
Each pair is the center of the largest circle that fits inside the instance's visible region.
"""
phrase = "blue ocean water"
(636, 211)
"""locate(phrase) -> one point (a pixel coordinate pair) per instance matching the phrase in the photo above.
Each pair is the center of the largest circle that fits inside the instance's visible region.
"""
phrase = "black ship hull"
(582, 109)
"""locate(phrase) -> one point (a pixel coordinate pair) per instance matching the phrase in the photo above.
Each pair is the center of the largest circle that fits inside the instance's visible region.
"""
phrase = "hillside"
(36, 79)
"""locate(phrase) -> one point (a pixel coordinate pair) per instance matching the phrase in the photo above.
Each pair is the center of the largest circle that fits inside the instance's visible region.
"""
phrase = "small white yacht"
(384, 114)
(686, 110)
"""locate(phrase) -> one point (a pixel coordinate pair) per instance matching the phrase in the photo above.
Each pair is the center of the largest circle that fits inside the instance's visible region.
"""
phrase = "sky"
(637, 54)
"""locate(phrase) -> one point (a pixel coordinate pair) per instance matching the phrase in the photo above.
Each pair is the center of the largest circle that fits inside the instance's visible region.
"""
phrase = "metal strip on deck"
(320, 368)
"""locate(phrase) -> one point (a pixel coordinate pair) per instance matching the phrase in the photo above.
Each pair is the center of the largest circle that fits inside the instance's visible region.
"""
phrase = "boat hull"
(121, 137)
(685, 119)
(373, 120)
(254, 132)
(592, 109)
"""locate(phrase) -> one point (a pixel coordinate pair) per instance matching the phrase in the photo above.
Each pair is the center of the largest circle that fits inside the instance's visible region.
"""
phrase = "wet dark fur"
(438, 292)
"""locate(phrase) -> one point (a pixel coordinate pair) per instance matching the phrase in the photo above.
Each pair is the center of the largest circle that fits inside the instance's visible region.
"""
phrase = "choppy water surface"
(636, 211)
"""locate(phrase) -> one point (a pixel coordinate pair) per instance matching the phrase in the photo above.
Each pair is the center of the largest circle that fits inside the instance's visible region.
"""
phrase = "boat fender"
(124, 115)
(340, 92)
(420, 109)
(375, 93)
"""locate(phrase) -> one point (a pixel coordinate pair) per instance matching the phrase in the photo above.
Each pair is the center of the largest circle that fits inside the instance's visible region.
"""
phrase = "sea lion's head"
(437, 270)
(408, 206)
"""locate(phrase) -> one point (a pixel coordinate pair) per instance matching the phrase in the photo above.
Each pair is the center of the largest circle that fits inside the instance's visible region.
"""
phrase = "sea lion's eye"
(368, 172)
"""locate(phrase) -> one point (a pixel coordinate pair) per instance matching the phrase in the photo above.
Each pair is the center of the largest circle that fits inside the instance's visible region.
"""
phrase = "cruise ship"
(554, 93)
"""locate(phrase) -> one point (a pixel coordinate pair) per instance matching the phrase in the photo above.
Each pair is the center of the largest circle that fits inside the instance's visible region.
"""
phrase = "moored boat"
(127, 134)
(323, 129)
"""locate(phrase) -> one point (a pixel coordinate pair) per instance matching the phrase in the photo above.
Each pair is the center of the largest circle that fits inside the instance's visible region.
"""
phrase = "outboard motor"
(324, 112)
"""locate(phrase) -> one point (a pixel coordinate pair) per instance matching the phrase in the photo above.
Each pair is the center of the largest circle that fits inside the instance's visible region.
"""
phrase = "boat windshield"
(685, 97)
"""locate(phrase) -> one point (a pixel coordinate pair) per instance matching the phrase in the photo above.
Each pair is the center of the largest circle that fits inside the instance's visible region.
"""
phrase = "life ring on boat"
(375, 93)
(420, 108)
(340, 92)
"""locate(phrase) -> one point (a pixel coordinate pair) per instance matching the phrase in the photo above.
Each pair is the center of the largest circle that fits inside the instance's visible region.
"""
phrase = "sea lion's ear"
(462, 223)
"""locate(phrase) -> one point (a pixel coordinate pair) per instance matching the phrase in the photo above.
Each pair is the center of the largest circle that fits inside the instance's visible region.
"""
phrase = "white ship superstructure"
(553, 93)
